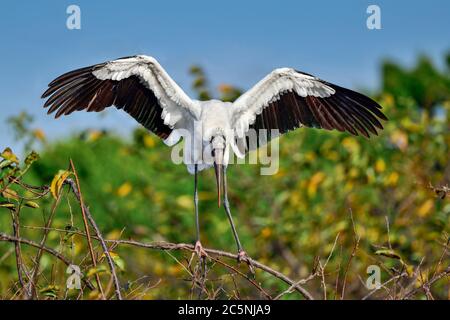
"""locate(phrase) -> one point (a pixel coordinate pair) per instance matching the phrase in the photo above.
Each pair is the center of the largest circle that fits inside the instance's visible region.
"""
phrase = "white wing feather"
(174, 102)
(269, 89)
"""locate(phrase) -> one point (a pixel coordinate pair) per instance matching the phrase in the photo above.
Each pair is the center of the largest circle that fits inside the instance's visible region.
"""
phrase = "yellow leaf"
(7, 154)
(351, 145)
(31, 204)
(185, 202)
(280, 174)
(387, 99)
(380, 165)
(392, 179)
(425, 208)
(32, 157)
(7, 205)
(124, 189)
(149, 141)
(332, 155)
(316, 179)
(353, 173)
(114, 235)
(10, 194)
(94, 295)
(94, 135)
(310, 156)
(266, 232)
(175, 270)
(400, 139)
(225, 88)
(58, 181)
(99, 269)
(111, 254)
(39, 134)
(409, 270)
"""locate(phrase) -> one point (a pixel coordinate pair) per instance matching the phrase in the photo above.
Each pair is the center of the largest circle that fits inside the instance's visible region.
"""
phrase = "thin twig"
(19, 263)
(383, 285)
(189, 247)
(37, 260)
(429, 283)
(388, 232)
(6, 237)
(72, 184)
(86, 213)
(253, 282)
(355, 248)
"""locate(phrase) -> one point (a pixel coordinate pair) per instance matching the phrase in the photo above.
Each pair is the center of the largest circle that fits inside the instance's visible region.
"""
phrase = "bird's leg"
(198, 245)
(242, 255)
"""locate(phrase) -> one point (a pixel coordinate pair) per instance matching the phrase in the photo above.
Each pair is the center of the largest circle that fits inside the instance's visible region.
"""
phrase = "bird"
(284, 100)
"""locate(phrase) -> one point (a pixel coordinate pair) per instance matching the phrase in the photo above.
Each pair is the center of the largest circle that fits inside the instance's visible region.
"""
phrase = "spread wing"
(138, 85)
(287, 99)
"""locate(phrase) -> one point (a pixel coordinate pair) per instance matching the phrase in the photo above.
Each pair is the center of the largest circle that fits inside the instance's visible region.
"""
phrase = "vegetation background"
(337, 205)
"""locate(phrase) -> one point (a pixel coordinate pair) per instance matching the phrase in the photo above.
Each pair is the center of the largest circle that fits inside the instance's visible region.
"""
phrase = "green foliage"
(286, 220)
(427, 86)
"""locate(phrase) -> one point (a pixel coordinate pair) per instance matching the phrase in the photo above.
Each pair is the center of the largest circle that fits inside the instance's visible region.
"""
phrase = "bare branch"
(6, 237)
(189, 247)
(86, 213)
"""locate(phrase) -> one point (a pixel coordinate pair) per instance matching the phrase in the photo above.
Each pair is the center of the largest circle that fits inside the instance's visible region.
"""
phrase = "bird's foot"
(243, 257)
(201, 253)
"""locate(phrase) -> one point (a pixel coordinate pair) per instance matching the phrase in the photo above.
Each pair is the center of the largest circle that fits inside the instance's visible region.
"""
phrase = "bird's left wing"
(138, 85)
(287, 99)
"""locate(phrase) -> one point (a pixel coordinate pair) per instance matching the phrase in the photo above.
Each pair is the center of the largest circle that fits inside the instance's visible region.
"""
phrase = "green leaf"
(93, 271)
(50, 291)
(388, 253)
(31, 204)
(32, 157)
(118, 261)
(7, 205)
(5, 163)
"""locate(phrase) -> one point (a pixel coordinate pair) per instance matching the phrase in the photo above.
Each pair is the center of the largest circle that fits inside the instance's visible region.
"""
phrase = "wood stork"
(284, 100)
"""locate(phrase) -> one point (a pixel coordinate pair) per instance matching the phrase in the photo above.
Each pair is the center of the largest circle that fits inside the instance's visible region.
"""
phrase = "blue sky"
(237, 42)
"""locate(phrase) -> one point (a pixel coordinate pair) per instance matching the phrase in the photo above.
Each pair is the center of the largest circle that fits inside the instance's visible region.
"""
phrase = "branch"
(86, 213)
(19, 263)
(190, 247)
(37, 260)
(428, 284)
(75, 190)
(8, 238)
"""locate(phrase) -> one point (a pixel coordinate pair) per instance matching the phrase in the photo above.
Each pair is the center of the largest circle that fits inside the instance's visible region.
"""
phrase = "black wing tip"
(305, 73)
(370, 104)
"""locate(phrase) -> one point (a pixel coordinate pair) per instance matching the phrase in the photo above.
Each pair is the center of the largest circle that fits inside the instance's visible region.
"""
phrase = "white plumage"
(207, 118)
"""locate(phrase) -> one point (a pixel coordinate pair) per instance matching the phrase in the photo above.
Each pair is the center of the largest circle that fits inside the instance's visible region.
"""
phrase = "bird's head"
(218, 144)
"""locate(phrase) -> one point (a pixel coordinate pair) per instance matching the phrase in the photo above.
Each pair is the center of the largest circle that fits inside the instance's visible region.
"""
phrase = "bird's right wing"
(138, 85)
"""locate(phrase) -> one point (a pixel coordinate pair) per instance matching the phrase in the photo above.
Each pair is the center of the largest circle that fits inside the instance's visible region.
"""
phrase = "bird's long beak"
(218, 166)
